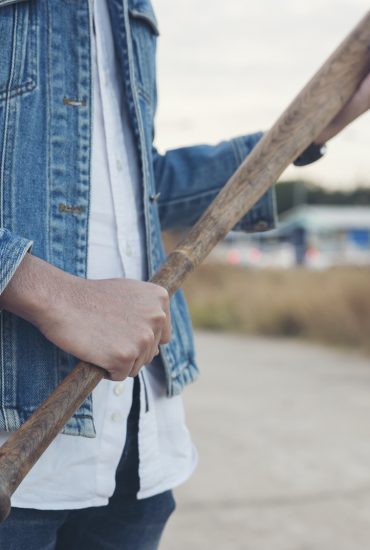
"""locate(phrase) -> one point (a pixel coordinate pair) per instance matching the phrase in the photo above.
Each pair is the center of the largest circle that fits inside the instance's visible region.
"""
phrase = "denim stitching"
(2, 171)
(30, 84)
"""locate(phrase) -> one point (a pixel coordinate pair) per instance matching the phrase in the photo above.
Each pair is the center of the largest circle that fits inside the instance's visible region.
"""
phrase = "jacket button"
(154, 198)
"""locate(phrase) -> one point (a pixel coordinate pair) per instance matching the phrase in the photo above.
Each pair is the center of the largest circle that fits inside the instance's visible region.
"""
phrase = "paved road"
(283, 432)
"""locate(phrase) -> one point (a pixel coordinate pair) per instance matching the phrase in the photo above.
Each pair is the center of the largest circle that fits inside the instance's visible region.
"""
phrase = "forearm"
(117, 324)
(32, 291)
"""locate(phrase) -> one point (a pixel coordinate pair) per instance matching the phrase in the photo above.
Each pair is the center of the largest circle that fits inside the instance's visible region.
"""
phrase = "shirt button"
(118, 389)
(116, 417)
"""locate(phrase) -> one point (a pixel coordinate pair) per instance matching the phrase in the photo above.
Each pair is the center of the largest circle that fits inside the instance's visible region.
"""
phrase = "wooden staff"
(310, 112)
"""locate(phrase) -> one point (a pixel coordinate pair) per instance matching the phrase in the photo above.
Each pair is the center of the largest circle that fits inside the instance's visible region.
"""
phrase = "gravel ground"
(283, 433)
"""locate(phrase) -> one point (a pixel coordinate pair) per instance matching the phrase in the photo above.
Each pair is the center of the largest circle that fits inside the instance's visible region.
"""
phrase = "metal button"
(118, 389)
(116, 417)
(74, 102)
(154, 198)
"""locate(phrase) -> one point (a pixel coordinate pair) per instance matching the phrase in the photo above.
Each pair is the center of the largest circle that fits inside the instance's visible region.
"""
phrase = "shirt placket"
(122, 188)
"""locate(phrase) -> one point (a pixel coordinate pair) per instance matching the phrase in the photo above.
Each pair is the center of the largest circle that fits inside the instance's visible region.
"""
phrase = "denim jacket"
(45, 144)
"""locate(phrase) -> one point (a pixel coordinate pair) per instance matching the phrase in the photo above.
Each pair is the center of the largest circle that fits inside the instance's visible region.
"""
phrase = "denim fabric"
(124, 524)
(45, 144)
(12, 251)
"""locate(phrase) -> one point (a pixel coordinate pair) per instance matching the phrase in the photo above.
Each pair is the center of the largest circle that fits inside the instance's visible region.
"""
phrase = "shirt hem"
(63, 505)
(170, 484)
(103, 501)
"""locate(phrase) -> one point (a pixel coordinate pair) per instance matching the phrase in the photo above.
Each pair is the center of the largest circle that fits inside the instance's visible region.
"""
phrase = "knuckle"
(160, 318)
(125, 357)
(147, 338)
(163, 295)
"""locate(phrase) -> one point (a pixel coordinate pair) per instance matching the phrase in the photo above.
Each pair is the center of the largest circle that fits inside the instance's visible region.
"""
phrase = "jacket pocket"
(18, 60)
(144, 31)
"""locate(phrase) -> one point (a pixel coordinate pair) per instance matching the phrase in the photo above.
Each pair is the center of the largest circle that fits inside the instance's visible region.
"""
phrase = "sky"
(230, 67)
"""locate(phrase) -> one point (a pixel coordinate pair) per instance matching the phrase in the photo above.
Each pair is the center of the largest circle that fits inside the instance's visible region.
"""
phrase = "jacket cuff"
(12, 252)
(263, 215)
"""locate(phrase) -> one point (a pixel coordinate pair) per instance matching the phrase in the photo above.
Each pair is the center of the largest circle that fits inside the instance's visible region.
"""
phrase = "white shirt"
(78, 472)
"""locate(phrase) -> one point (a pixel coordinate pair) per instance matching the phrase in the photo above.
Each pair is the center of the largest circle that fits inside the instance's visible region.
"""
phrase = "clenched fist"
(117, 324)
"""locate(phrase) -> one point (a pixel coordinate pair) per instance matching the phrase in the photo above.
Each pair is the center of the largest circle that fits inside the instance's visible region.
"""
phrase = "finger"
(121, 370)
(141, 362)
(166, 333)
(151, 353)
(136, 368)
(143, 358)
(166, 330)
(150, 350)
(118, 374)
(155, 348)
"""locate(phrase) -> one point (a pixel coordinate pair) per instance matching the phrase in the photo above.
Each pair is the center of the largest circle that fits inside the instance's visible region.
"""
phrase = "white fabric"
(77, 472)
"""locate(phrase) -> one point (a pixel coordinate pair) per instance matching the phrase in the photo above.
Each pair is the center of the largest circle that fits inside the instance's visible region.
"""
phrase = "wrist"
(35, 290)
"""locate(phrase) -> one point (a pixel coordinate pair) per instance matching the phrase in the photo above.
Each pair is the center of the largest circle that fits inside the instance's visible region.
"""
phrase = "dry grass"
(331, 306)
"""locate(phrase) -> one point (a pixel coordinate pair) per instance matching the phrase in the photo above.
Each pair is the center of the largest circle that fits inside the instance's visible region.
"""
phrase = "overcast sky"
(228, 67)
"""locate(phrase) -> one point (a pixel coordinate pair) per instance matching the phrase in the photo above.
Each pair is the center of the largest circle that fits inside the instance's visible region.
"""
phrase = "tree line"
(297, 192)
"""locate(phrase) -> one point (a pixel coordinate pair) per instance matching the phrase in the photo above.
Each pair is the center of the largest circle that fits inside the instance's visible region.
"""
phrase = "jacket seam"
(188, 198)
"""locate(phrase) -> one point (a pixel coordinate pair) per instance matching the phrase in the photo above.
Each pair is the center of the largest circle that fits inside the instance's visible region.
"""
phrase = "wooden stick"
(309, 113)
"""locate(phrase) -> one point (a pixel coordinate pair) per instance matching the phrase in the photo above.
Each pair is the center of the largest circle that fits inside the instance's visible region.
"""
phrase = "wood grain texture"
(309, 113)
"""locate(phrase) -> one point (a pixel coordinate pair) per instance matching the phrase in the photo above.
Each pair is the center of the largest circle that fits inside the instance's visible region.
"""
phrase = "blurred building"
(314, 236)
(327, 235)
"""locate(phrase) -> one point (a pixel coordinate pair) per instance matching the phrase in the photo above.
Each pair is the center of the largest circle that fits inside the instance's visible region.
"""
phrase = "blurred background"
(281, 413)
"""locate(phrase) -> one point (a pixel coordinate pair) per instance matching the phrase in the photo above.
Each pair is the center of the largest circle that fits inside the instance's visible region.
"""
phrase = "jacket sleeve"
(12, 252)
(189, 178)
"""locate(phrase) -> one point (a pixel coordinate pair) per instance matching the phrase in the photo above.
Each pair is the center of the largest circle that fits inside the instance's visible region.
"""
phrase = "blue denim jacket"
(45, 58)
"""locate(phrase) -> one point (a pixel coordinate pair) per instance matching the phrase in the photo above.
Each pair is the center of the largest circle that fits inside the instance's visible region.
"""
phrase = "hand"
(356, 106)
(117, 324)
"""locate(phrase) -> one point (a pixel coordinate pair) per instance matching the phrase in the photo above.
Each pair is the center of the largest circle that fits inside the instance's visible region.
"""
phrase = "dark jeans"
(124, 524)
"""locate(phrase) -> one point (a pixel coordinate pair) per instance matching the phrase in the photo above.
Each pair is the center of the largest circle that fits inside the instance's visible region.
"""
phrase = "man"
(82, 183)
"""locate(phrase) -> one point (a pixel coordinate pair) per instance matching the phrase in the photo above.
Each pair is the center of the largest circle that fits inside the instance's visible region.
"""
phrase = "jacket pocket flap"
(146, 14)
